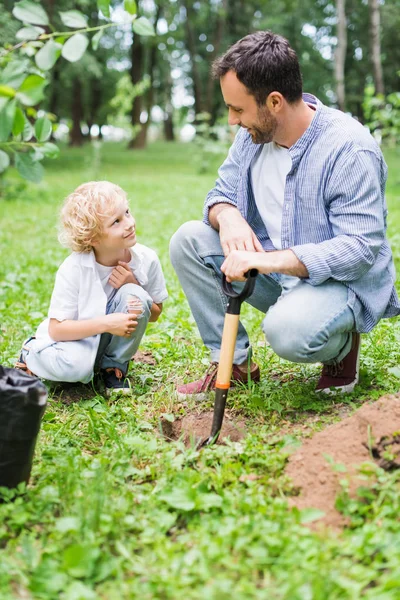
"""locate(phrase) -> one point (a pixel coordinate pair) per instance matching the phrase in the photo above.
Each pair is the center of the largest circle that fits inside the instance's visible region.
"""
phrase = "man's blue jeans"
(303, 323)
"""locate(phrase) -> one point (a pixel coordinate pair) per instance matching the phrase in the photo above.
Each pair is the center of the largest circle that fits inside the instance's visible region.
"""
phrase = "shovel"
(229, 335)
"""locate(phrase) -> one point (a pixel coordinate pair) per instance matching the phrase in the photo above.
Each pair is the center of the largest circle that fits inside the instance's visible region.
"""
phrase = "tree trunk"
(340, 53)
(191, 44)
(217, 40)
(137, 53)
(375, 40)
(76, 137)
(169, 132)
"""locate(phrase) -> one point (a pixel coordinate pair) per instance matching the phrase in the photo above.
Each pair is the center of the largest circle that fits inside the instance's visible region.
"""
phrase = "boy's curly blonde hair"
(83, 213)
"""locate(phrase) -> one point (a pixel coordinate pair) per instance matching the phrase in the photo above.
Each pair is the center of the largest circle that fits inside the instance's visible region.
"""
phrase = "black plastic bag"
(22, 404)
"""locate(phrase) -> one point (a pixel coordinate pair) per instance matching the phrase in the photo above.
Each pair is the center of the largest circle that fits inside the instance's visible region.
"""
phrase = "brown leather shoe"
(200, 388)
(342, 377)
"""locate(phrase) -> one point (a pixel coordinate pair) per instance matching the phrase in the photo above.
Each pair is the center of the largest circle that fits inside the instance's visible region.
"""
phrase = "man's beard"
(265, 130)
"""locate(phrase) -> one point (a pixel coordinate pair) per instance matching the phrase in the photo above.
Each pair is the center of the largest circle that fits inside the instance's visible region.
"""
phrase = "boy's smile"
(119, 234)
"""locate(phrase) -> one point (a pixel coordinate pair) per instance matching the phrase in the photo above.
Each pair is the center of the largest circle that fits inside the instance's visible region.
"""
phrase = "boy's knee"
(131, 295)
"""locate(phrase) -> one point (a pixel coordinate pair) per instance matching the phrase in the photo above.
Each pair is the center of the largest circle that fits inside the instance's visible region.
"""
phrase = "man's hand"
(121, 275)
(121, 324)
(238, 262)
(234, 231)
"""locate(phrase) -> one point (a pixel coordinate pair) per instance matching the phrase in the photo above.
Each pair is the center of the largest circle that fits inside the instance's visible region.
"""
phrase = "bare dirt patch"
(196, 427)
(363, 437)
(144, 357)
(69, 393)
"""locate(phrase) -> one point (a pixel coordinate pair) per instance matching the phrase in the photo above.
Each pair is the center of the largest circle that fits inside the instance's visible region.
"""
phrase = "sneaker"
(21, 364)
(115, 382)
(200, 388)
(342, 377)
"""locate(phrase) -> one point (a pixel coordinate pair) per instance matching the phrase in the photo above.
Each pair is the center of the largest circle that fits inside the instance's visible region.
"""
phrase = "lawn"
(113, 511)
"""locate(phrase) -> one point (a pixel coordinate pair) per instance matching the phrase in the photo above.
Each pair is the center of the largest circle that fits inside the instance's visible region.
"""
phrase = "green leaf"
(43, 129)
(48, 55)
(31, 91)
(4, 161)
(130, 7)
(142, 26)
(74, 19)
(19, 122)
(27, 133)
(6, 90)
(15, 73)
(6, 120)
(104, 6)
(27, 168)
(29, 33)
(30, 12)
(96, 39)
(395, 371)
(65, 524)
(50, 150)
(307, 515)
(75, 47)
(179, 498)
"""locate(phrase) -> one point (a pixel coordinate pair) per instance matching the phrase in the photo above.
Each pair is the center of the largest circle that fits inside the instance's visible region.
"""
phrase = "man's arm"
(220, 207)
(280, 261)
(356, 214)
(234, 231)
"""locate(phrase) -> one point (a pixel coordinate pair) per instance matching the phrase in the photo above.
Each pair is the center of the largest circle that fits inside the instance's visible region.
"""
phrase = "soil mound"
(196, 427)
(363, 437)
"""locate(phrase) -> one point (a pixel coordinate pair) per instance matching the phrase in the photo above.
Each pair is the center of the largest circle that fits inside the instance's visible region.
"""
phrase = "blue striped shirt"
(334, 211)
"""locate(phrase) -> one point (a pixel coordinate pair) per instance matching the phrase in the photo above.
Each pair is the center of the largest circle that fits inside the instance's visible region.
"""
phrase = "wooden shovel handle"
(229, 335)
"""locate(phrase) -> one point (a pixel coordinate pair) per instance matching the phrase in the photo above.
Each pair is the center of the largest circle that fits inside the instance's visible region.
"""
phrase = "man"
(300, 197)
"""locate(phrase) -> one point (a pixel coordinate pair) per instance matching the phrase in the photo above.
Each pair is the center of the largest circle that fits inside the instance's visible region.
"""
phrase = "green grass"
(115, 512)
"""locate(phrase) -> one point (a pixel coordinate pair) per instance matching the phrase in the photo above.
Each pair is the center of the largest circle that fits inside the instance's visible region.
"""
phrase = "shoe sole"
(344, 389)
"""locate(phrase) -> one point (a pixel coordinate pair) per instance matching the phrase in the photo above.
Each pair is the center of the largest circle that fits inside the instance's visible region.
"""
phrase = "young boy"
(105, 293)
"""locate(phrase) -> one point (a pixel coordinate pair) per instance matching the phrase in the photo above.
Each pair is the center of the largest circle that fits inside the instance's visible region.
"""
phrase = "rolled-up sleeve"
(356, 216)
(226, 186)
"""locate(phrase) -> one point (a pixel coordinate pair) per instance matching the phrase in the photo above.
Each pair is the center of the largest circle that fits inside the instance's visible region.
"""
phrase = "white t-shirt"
(146, 267)
(268, 178)
(78, 292)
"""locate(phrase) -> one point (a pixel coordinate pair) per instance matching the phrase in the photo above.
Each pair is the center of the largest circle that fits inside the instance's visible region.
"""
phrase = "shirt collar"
(312, 131)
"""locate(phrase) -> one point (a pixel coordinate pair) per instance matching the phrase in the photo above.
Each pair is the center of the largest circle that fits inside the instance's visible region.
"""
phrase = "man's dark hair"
(264, 62)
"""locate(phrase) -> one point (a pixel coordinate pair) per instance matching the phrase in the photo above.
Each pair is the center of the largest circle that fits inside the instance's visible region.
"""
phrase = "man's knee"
(286, 336)
(183, 239)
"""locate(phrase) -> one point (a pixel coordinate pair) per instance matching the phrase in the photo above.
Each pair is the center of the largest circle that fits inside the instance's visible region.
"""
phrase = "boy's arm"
(121, 324)
(155, 312)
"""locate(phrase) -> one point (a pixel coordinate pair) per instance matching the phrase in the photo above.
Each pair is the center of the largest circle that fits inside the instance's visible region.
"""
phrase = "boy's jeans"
(72, 361)
(303, 324)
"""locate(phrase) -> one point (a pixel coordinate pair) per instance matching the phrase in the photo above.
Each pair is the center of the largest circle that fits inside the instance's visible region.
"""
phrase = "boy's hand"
(121, 275)
(121, 324)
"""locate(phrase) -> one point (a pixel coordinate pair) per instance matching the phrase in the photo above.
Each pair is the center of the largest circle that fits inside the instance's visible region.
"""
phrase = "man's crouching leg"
(313, 324)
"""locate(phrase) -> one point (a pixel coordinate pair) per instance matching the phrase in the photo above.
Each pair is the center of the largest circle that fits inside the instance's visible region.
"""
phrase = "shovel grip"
(236, 298)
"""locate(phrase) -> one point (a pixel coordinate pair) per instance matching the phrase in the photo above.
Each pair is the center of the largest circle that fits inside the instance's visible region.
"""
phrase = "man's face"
(244, 110)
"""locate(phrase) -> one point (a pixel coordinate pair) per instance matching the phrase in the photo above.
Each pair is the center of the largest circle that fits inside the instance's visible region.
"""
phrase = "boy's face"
(119, 230)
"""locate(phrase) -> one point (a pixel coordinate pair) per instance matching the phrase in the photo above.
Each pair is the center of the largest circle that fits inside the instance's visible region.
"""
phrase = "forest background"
(142, 87)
